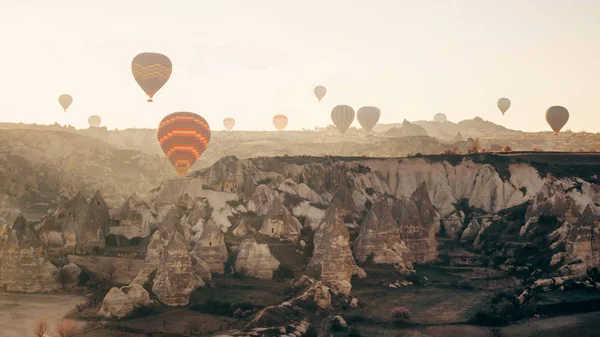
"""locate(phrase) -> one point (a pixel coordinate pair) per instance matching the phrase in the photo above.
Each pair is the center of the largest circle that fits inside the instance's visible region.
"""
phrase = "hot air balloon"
(503, 104)
(151, 71)
(320, 92)
(65, 100)
(280, 122)
(557, 117)
(440, 117)
(183, 137)
(342, 117)
(228, 123)
(368, 116)
(94, 121)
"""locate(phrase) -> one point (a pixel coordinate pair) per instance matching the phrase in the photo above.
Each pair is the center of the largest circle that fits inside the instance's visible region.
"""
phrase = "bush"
(452, 150)
(401, 314)
(354, 333)
(143, 311)
(506, 149)
(283, 272)
(536, 149)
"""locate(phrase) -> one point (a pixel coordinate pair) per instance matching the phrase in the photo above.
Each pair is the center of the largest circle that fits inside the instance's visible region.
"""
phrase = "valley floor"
(20, 312)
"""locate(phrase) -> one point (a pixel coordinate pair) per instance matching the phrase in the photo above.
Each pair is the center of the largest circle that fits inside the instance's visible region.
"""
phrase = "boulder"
(120, 302)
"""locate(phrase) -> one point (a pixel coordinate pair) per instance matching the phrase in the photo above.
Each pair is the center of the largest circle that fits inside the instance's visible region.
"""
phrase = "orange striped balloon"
(183, 137)
(151, 71)
(280, 122)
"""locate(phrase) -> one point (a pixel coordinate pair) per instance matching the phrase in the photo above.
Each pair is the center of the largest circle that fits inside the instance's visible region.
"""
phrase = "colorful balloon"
(94, 121)
(368, 116)
(183, 137)
(557, 117)
(65, 100)
(228, 123)
(503, 104)
(440, 117)
(151, 71)
(320, 92)
(280, 122)
(342, 117)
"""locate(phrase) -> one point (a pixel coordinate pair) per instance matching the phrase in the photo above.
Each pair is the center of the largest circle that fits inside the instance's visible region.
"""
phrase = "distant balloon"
(320, 92)
(151, 71)
(94, 121)
(440, 117)
(65, 100)
(368, 116)
(228, 123)
(503, 104)
(280, 122)
(557, 117)
(183, 137)
(342, 117)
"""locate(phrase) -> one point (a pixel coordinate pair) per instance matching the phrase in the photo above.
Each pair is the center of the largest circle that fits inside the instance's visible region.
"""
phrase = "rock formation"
(176, 278)
(211, 248)
(120, 302)
(134, 217)
(261, 200)
(83, 223)
(471, 232)
(332, 258)
(380, 235)
(453, 224)
(300, 190)
(256, 260)
(416, 216)
(551, 200)
(23, 264)
(280, 223)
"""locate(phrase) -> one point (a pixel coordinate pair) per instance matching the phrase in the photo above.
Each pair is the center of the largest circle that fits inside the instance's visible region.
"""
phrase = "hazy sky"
(251, 60)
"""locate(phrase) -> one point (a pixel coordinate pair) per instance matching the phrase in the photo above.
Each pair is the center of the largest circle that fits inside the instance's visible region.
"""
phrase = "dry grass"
(67, 328)
(41, 326)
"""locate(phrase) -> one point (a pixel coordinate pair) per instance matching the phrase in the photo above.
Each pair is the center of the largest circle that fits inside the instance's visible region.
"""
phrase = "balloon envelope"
(228, 123)
(94, 121)
(342, 117)
(320, 92)
(280, 122)
(151, 71)
(183, 137)
(65, 100)
(557, 117)
(503, 104)
(440, 117)
(368, 116)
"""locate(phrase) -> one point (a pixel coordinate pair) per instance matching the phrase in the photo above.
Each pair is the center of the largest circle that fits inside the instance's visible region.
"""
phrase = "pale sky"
(251, 60)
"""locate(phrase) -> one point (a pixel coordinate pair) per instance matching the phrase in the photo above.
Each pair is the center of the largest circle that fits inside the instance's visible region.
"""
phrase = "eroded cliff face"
(23, 265)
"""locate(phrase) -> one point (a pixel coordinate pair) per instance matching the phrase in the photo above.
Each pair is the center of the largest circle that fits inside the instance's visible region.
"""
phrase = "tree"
(506, 149)
(110, 274)
(67, 328)
(40, 327)
(401, 314)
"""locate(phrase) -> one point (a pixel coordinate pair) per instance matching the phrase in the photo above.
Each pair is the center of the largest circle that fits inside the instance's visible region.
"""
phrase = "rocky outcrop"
(416, 217)
(380, 236)
(300, 190)
(471, 232)
(343, 200)
(170, 271)
(83, 224)
(23, 264)
(176, 278)
(332, 258)
(120, 302)
(135, 218)
(256, 260)
(453, 224)
(211, 248)
(280, 223)
(551, 200)
(261, 200)
(243, 228)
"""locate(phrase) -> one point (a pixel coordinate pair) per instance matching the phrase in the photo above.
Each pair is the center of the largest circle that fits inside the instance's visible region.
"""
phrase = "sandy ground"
(20, 312)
